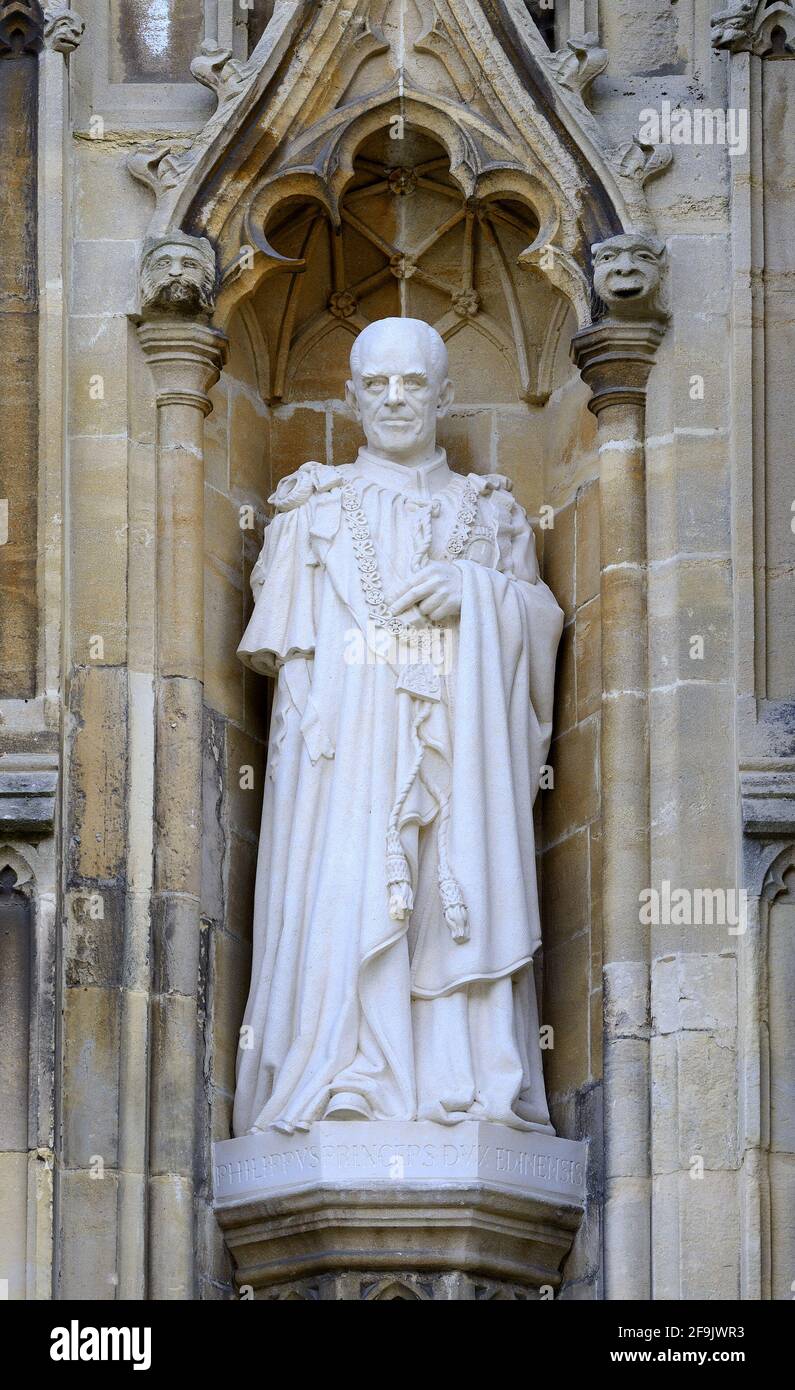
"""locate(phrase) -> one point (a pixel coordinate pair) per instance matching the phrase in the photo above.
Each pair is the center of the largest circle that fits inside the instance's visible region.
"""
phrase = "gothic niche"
(778, 1062)
(16, 963)
(411, 245)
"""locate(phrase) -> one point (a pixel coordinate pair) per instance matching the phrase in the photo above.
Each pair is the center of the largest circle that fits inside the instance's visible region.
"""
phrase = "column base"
(382, 1209)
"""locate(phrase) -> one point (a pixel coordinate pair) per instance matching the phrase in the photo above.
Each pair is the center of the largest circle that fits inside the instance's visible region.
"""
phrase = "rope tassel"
(455, 909)
(398, 878)
(398, 873)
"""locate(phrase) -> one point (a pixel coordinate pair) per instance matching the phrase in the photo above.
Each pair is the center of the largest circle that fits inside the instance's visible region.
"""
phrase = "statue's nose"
(395, 394)
(625, 265)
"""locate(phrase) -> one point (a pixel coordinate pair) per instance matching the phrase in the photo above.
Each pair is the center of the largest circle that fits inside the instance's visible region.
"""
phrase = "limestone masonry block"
(88, 1232)
(97, 815)
(574, 800)
(13, 1224)
(249, 444)
(104, 276)
(297, 434)
(90, 1077)
(587, 537)
(566, 682)
(566, 889)
(559, 571)
(566, 977)
(694, 992)
(588, 656)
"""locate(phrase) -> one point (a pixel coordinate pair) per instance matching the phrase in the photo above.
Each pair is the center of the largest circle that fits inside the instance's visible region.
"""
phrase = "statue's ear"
(445, 398)
(351, 401)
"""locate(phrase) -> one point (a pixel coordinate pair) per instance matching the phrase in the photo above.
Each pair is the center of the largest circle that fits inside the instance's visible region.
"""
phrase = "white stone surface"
(400, 607)
(397, 1153)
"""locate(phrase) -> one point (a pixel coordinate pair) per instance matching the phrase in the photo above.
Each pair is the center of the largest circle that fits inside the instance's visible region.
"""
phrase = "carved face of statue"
(399, 387)
(627, 268)
(178, 275)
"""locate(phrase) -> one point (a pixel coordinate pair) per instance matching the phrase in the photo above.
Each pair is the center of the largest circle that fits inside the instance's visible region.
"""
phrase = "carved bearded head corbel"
(178, 275)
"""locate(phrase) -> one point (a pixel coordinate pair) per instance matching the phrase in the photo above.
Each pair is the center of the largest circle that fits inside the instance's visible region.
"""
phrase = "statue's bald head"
(399, 387)
(393, 337)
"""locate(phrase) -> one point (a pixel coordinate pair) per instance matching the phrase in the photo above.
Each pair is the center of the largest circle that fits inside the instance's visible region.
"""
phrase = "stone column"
(20, 42)
(185, 355)
(615, 356)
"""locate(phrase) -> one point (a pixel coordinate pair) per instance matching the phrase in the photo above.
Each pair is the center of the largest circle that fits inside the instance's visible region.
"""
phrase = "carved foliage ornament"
(576, 65)
(732, 28)
(161, 166)
(178, 276)
(641, 161)
(755, 26)
(215, 68)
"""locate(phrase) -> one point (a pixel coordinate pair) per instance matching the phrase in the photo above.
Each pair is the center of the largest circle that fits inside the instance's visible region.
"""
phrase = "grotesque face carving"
(628, 274)
(399, 387)
(63, 28)
(178, 275)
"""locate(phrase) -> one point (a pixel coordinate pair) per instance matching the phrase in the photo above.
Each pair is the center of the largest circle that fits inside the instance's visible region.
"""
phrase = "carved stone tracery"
(324, 79)
(20, 26)
(447, 272)
(375, 1287)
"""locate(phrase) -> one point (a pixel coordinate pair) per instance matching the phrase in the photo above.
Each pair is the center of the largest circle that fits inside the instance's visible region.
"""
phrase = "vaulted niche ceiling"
(411, 245)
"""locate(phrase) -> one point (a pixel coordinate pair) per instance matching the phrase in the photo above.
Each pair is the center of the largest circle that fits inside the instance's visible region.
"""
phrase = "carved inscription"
(397, 1161)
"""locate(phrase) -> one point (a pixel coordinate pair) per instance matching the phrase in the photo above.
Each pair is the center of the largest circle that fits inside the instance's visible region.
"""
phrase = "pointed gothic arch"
(324, 77)
(777, 920)
(18, 957)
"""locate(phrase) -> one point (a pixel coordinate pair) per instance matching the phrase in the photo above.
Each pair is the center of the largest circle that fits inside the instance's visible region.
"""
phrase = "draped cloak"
(343, 997)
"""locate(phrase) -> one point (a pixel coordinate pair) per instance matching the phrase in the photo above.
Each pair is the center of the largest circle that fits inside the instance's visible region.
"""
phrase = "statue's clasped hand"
(436, 592)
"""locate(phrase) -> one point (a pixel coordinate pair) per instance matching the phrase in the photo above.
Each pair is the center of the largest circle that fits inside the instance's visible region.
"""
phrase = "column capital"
(185, 357)
(615, 360)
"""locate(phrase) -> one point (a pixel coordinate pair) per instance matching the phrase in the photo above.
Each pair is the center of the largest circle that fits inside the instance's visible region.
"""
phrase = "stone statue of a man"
(396, 916)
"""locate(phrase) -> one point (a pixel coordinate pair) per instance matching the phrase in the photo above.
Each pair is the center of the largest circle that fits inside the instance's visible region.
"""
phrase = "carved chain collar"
(364, 550)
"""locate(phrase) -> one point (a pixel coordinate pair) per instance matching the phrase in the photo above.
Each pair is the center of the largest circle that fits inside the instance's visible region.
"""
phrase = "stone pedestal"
(399, 1210)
